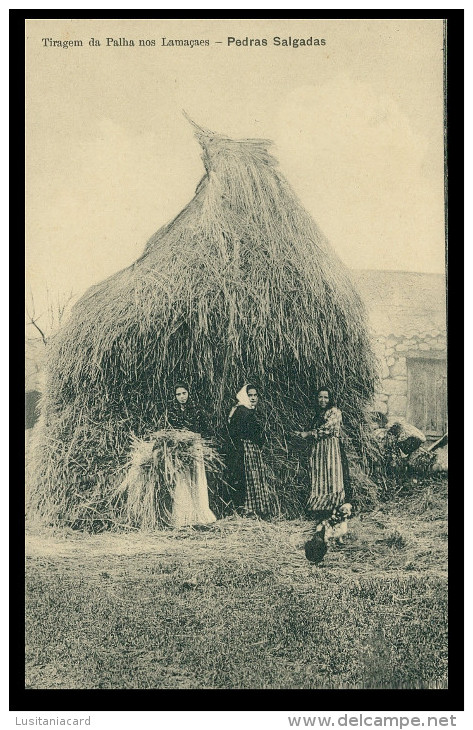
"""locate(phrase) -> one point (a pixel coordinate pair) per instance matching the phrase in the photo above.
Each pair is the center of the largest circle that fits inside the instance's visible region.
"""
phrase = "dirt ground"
(238, 605)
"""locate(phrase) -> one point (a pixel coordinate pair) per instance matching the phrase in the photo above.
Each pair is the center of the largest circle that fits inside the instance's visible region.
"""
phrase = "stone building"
(407, 317)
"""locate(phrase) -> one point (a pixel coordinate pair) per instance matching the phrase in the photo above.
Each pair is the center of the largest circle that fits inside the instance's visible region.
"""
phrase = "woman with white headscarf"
(251, 493)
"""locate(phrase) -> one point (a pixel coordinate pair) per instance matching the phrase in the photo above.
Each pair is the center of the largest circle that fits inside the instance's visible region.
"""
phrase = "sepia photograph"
(236, 432)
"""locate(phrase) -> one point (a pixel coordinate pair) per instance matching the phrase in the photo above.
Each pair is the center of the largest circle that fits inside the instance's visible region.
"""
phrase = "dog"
(338, 530)
(334, 528)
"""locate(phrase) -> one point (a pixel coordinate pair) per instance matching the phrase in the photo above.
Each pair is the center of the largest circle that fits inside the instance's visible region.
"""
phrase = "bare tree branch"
(56, 311)
(33, 319)
(43, 336)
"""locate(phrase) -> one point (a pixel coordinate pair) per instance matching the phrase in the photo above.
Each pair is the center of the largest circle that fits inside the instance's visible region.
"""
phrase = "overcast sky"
(357, 127)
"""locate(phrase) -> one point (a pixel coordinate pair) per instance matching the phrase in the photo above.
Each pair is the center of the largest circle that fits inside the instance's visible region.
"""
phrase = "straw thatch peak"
(201, 133)
(218, 146)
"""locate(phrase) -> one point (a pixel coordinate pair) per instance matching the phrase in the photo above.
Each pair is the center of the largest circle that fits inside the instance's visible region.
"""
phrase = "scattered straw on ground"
(379, 542)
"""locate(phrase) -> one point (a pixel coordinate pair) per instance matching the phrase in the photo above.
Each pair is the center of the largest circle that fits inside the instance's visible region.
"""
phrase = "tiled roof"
(402, 302)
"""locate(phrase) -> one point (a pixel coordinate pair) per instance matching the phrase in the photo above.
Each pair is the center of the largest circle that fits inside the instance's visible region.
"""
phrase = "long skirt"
(191, 497)
(257, 495)
(326, 470)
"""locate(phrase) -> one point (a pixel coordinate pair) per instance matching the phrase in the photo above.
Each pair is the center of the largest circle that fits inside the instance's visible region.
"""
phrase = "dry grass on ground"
(238, 605)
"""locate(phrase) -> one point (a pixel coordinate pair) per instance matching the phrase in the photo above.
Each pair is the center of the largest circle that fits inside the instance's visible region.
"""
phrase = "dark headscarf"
(190, 416)
(180, 384)
(331, 401)
(319, 413)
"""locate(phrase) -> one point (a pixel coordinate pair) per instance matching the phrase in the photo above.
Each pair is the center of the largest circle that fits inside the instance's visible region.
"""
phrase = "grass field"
(239, 606)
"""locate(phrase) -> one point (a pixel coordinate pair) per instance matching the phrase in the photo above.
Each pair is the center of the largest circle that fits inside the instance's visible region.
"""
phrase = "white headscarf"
(243, 400)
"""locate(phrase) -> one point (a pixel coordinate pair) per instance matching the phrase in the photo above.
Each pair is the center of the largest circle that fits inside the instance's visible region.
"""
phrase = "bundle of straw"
(241, 285)
(145, 497)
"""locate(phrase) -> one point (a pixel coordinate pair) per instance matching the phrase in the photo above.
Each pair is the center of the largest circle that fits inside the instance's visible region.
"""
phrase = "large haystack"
(241, 284)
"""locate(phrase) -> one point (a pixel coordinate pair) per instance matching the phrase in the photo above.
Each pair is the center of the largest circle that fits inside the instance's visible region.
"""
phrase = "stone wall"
(392, 353)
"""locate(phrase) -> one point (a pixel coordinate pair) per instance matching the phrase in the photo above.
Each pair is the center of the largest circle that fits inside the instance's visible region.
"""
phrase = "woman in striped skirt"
(328, 467)
(247, 474)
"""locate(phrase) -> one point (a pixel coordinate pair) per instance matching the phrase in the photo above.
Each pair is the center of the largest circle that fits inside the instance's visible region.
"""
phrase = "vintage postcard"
(236, 355)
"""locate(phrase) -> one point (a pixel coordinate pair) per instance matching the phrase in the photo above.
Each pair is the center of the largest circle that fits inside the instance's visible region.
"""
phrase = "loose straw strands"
(145, 497)
(240, 285)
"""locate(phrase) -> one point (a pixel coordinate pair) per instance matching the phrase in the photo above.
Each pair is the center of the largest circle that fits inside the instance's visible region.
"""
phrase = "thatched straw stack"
(145, 497)
(240, 285)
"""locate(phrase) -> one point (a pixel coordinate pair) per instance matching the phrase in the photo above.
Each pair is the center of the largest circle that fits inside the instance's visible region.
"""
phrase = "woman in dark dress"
(182, 412)
(191, 498)
(248, 479)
